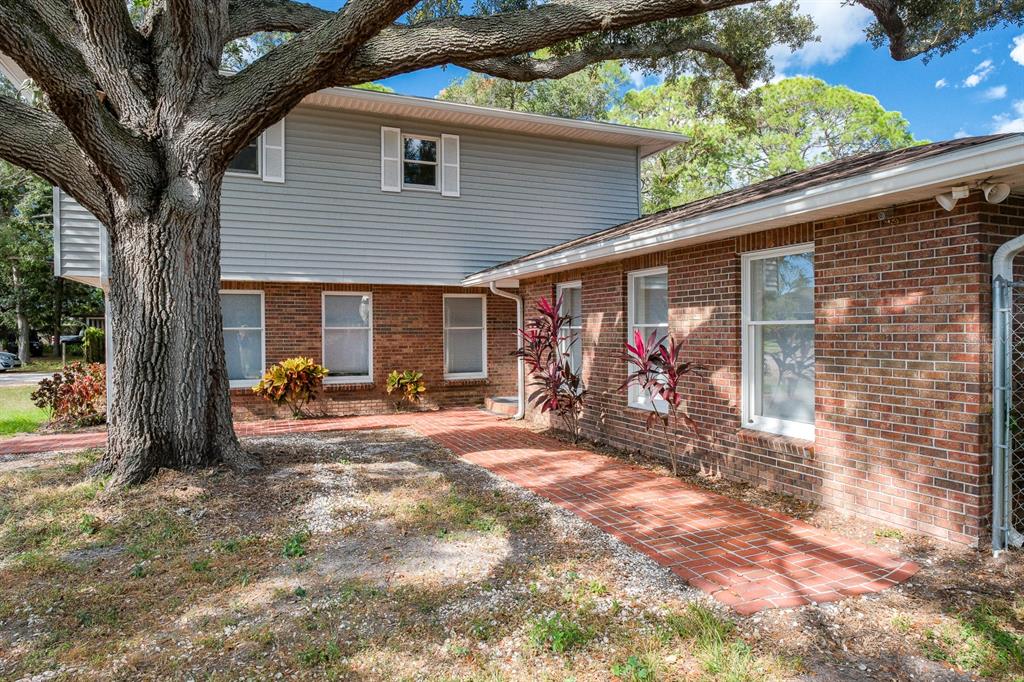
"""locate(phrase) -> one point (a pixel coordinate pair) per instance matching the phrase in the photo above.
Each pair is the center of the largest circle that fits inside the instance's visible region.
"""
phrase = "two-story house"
(348, 227)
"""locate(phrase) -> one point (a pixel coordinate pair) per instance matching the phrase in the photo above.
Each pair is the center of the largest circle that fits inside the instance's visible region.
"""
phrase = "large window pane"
(347, 352)
(346, 311)
(571, 304)
(463, 312)
(785, 354)
(650, 299)
(241, 311)
(420, 174)
(243, 351)
(783, 288)
(464, 351)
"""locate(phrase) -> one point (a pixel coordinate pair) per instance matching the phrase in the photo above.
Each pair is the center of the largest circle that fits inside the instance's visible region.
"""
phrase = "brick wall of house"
(407, 334)
(902, 338)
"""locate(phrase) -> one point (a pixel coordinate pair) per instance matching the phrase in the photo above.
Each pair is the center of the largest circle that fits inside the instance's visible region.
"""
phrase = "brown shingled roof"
(825, 173)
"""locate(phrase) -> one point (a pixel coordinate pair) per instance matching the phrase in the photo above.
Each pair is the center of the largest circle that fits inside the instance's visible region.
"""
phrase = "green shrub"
(293, 382)
(93, 345)
(558, 633)
(409, 386)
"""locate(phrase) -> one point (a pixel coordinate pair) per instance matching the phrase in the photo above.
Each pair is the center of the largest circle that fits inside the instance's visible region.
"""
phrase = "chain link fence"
(1008, 415)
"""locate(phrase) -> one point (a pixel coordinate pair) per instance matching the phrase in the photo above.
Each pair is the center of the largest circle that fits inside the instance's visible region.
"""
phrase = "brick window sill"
(466, 382)
(776, 442)
(341, 386)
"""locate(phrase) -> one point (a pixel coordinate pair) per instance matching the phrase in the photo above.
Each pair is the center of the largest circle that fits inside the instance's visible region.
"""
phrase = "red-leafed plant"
(74, 395)
(658, 371)
(545, 350)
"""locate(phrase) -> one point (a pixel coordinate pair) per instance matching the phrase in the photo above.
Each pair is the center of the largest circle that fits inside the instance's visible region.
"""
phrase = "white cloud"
(637, 77)
(980, 73)
(1010, 122)
(994, 93)
(941, 83)
(840, 27)
(1017, 53)
(960, 134)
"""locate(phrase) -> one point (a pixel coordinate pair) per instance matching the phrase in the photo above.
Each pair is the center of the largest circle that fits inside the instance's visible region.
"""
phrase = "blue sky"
(978, 89)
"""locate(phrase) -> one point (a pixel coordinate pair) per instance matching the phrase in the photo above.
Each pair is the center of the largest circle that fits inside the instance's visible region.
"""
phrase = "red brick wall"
(902, 359)
(407, 334)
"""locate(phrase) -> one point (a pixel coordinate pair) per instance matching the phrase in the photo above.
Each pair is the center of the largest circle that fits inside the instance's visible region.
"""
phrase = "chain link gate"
(1008, 414)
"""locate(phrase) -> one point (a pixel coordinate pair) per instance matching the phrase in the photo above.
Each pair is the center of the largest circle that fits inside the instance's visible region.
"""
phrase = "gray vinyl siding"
(331, 222)
(79, 240)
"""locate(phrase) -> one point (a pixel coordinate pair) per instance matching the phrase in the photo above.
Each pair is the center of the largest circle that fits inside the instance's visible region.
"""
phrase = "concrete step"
(504, 405)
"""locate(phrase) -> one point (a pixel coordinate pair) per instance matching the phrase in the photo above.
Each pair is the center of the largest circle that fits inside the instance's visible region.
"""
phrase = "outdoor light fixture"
(955, 194)
(995, 192)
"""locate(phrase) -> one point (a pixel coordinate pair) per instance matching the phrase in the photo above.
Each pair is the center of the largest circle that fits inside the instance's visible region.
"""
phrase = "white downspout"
(1002, 271)
(521, 365)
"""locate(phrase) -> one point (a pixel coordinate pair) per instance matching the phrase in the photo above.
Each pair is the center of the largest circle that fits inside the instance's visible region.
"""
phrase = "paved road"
(21, 378)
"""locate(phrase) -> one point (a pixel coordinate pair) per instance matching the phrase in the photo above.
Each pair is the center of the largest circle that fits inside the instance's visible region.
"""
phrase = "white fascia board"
(944, 168)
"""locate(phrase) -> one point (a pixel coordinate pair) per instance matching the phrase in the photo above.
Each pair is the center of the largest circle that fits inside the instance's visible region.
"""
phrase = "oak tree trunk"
(170, 404)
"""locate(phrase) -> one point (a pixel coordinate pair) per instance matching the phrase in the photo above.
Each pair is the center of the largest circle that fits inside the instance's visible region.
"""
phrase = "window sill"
(245, 384)
(465, 381)
(340, 386)
(775, 441)
(343, 381)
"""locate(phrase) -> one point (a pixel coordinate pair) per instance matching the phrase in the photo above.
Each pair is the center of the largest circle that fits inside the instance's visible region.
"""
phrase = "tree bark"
(170, 406)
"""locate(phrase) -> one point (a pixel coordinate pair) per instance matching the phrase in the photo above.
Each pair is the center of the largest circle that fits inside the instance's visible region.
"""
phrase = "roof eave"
(989, 157)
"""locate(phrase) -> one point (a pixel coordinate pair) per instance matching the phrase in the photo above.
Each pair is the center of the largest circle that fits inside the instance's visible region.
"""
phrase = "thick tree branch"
(269, 88)
(116, 55)
(256, 16)
(39, 142)
(61, 71)
(525, 68)
(401, 49)
(904, 45)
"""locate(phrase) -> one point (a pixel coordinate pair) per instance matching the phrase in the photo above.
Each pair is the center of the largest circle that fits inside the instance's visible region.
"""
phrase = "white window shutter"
(390, 159)
(450, 172)
(273, 153)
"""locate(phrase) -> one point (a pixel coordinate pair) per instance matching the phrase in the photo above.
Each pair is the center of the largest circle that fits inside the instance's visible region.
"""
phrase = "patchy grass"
(359, 555)
(46, 364)
(17, 413)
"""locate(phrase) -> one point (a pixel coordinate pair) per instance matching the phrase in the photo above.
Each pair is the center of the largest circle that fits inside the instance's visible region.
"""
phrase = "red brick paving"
(748, 558)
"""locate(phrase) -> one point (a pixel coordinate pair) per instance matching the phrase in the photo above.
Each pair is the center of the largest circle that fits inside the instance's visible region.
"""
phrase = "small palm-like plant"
(658, 370)
(409, 386)
(545, 350)
(293, 382)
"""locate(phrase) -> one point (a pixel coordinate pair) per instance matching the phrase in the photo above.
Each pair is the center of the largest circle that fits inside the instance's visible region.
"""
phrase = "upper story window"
(465, 336)
(348, 337)
(411, 161)
(263, 157)
(248, 160)
(570, 294)
(419, 162)
(648, 313)
(778, 341)
(242, 312)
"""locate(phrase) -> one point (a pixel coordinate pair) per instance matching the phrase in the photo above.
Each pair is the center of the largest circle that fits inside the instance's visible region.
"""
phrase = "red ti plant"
(658, 370)
(558, 388)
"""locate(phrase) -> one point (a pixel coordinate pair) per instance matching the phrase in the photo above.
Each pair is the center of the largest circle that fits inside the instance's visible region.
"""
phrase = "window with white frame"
(570, 294)
(778, 341)
(465, 336)
(348, 337)
(419, 162)
(648, 313)
(247, 162)
(242, 312)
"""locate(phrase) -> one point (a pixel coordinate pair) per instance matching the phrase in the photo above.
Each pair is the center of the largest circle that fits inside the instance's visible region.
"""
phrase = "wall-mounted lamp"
(995, 192)
(948, 200)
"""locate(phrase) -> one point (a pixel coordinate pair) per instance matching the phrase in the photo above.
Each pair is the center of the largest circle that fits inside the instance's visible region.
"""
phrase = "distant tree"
(737, 139)
(585, 95)
(31, 298)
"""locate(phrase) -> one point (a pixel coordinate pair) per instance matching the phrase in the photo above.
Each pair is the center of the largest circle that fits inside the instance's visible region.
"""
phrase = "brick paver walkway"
(746, 557)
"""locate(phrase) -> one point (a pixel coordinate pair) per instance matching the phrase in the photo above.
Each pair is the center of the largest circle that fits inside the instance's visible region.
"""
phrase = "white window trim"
(749, 420)
(564, 344)
(436, 164)
(455, 376)
(362, 379)
(636, 400)
(249, 383)
(258, 175)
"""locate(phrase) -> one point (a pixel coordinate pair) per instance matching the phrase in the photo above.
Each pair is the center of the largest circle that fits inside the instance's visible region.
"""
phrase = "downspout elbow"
(521, 364)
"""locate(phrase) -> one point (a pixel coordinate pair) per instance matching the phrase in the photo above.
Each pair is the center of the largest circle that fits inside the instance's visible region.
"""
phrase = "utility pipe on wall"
(521, 365)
